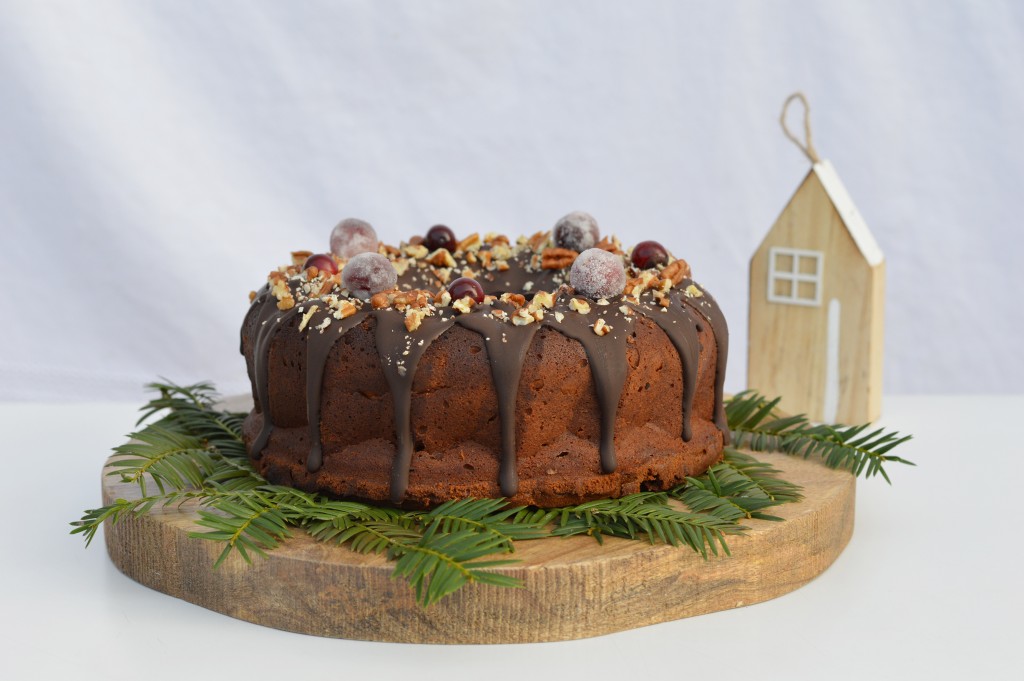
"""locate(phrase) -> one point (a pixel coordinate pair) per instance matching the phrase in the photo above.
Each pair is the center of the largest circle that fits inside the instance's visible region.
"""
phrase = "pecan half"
(557, 258)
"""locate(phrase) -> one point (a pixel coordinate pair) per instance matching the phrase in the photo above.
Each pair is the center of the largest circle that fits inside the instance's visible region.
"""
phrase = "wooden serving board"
(574, 588)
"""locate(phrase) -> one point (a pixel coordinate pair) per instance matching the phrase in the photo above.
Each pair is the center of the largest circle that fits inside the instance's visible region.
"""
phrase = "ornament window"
(794, 276)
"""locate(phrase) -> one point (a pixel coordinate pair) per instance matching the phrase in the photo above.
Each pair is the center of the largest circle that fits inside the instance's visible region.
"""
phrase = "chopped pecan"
(538, 240)
(325, 286)
(299, 257)
(415, 298)
(471, 242)
(600, 327)
(579, 305)
(441, 258)
(345, 309)
(413, 319)
(307, 316)
(676, 270)
(416, 251)
(516, 299)
(607, 244)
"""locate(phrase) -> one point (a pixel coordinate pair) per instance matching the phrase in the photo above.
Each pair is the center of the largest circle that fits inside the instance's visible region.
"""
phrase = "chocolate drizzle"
(681, 328)
(606, 356)
(269, 321)
(506, 351)
(319, 343)
(708, 308)
(400, 353)
(507, 346)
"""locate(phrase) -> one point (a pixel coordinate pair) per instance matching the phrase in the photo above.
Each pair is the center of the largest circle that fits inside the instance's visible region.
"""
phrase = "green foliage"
(757, 425)
(192, 452)
(739, 487)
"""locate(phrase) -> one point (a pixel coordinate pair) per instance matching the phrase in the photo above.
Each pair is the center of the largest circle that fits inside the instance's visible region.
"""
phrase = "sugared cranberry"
(368, 273)
(649, 254)
(465, 286)
(352, 236)
(323, 262)
(577, 231)
(598, 274)
(439, 236)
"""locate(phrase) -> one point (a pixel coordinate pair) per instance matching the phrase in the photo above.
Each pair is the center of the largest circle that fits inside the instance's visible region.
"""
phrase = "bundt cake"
(552, 370)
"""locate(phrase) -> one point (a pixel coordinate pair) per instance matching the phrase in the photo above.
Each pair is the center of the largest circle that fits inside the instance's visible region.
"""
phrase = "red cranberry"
(321, 261)
(649, 254)
(464, 286)
(440, 236)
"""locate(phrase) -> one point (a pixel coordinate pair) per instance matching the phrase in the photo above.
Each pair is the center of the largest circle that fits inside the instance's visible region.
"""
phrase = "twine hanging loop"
(808, 147)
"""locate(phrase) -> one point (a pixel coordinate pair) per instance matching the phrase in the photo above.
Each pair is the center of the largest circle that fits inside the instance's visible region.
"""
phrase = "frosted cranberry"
(368, 273)
(578, 231)
(439, 236)
(352, 236)
(648, 254)
(598, 274)
(465, 286)
(323, 262)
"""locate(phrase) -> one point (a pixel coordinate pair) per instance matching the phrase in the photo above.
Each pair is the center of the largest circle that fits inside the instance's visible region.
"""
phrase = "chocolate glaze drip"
(682, 329)
(319, 343)
(400, 354)
(268, 322)
(709, 309)
(506, 351)
(606, 356)
(507, 346)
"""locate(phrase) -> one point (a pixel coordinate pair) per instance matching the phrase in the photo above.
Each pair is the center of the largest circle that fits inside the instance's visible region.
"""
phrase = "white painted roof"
(848, 212)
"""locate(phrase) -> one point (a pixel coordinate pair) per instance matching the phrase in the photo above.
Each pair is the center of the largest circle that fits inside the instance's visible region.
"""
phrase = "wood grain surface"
(574, 588)
(787, 352)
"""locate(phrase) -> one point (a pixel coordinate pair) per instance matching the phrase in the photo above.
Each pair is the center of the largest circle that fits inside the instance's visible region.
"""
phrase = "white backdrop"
(158, 158)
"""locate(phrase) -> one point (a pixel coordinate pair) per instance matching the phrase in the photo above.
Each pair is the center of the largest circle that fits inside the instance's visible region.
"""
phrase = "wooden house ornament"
(817, 287)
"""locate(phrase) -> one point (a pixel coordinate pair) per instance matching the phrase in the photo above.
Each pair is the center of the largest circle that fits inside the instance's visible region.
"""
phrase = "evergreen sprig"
(193, 452)
(756, 424)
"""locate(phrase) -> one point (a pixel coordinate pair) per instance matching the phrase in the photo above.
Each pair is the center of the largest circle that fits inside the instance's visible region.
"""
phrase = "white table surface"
(929, 587)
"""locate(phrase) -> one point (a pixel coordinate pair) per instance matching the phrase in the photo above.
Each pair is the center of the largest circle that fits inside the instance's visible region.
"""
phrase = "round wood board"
(574, 587)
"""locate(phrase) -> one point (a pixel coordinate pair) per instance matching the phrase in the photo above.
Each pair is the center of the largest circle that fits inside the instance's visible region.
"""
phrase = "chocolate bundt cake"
(551, 371)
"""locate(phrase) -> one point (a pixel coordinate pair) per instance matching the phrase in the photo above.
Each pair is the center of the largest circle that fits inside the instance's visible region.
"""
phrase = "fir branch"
(252, 522)
(647, 514)
(171, 459)
(756, 424)
(738, 487)
(191, 408)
